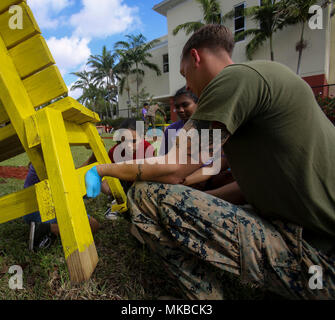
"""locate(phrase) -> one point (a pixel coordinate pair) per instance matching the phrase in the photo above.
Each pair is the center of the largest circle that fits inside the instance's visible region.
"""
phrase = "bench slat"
(13, 37)
(45, 86)
(73, 111)
(31, 56)
(5, 4)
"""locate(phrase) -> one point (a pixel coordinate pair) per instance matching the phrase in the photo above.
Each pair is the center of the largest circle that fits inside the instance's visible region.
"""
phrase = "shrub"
(327, 105)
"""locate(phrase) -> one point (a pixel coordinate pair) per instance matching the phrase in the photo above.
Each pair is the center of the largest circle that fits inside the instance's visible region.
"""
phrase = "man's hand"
(93, 183)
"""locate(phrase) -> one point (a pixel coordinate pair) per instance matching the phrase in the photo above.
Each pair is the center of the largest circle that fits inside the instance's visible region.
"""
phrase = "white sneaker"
(111, 215)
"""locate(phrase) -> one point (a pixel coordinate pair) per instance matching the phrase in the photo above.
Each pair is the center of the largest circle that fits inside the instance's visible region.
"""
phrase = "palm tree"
(211, 15)
(123, 72)
(91, 92)
(136, 51)
(269, 16)
(84, 82)
(104, 73)
(297, 12)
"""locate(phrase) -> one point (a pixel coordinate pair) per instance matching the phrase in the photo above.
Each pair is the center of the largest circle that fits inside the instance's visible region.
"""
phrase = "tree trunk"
(301, 48)
(137, 89)
(271, 49)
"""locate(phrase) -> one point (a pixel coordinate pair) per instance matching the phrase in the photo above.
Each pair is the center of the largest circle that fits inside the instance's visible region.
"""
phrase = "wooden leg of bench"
(78, 244)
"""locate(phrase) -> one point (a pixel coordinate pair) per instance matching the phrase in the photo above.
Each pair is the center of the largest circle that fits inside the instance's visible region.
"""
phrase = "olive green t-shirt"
(282, 146)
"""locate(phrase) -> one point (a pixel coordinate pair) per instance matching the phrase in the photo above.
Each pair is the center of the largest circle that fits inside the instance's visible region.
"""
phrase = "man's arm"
(159, 172)
(198, 176)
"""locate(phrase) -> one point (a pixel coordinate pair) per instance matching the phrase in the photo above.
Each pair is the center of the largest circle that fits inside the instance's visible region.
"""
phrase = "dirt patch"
(14, 172)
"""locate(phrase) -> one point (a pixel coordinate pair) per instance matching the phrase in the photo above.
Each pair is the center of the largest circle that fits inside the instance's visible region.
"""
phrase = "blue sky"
(75, 29)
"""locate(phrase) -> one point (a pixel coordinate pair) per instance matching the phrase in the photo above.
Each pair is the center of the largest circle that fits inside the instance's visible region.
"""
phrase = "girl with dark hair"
(186, 103)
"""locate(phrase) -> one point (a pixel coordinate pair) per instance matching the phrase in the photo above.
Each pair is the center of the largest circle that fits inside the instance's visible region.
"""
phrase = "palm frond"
(188, 27)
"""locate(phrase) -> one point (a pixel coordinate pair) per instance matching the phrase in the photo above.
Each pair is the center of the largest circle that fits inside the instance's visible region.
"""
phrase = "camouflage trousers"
(199, 237)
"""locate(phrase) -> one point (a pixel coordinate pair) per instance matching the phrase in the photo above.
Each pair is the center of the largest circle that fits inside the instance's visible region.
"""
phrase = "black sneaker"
(41, 237)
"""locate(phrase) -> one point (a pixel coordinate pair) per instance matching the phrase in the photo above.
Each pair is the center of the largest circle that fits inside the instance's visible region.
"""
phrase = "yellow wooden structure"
(29, 80)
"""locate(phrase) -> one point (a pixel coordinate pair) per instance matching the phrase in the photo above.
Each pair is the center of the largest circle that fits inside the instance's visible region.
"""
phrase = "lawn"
(126, 269)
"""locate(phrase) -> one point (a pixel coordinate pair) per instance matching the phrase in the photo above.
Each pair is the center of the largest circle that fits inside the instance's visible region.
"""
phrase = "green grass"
(126, 269)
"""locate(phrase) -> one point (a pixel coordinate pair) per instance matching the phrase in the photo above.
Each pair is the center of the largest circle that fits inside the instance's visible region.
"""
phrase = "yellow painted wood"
(45, 85)
(70, 209)
(45, 201)
(75, 134)
(10, 144)
(81, 172)
(14, 37)
(32, 134)
(18, 107)
(31, 56)
(5, 4)
(72, 110)
(7, 132)
(17, 205)
(3, 114)
(102, 157)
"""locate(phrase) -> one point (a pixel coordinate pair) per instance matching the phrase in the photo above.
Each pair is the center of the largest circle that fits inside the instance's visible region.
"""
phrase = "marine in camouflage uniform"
(199, 237)
(280, 148)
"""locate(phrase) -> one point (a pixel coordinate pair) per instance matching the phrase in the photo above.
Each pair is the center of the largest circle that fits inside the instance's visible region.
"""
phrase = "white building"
(318, 60)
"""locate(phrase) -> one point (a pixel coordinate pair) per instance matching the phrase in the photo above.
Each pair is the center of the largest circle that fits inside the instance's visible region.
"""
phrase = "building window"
(165, 63)
(239, 19)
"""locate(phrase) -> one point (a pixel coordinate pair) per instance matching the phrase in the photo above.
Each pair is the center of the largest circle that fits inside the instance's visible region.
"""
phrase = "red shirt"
(138, 154)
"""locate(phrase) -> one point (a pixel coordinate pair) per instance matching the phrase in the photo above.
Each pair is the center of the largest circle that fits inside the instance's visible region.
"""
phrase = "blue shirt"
(164, 149)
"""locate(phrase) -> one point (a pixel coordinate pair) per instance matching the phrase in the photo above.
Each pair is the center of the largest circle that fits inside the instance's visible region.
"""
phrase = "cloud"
(103, 18)
(76, 93)
(70, 53)
(47, 12)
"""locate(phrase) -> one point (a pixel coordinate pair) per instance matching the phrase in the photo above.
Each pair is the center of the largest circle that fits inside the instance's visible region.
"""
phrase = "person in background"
(185, 103)
(134, 149)
(145, 111)
(43, 234)
(151, 116)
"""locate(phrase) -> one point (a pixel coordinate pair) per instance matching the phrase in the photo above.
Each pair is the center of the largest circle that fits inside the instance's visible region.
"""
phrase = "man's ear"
(195, 56)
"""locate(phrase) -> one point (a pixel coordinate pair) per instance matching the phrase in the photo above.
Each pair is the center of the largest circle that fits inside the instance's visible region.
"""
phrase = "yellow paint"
(70, 209)
(17, 205)
(3, 114)
(45, 202)
(45, 85)
(73, 111)
(7, 132)
(75, 134)
(5, 4)
(14, 37)
(46, 136)
(18, 107)
(31, 56)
